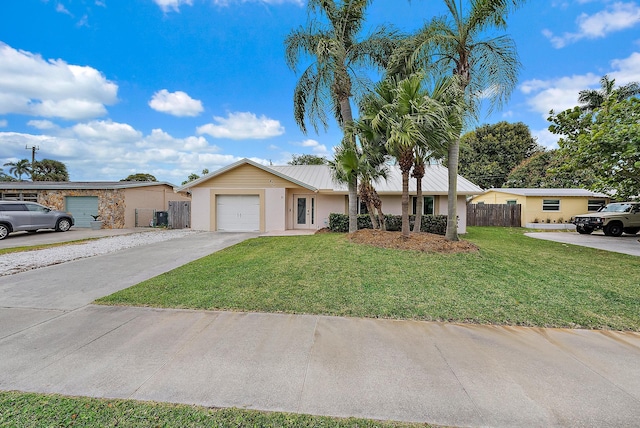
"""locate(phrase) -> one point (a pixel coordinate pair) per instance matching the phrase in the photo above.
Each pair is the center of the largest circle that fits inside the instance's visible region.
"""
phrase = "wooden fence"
(179, 214)
(494, 215)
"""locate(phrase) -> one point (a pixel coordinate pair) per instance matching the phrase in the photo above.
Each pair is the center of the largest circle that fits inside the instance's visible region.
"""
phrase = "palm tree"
(486, 66)
(17, 169)
(592, 99)
(338, 56)
(407, 118)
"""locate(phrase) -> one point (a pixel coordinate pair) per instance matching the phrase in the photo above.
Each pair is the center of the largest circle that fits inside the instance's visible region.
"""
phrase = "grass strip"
(513, 280)
(26, 410)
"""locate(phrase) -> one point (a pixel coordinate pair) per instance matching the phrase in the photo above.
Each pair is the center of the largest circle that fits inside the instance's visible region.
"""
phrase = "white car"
(20, 215)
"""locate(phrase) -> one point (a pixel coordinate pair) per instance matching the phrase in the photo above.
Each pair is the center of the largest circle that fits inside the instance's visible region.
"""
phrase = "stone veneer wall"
(110, 203)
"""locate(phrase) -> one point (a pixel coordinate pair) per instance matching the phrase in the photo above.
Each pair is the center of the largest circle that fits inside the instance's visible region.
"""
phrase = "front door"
(304, 212)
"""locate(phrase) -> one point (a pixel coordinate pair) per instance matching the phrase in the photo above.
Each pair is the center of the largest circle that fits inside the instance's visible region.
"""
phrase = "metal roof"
(78, 185)
(434, 182)
(549, 192)
(319, 178)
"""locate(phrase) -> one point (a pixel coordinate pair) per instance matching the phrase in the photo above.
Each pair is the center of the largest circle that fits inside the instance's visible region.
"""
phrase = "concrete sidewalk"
(448, 374)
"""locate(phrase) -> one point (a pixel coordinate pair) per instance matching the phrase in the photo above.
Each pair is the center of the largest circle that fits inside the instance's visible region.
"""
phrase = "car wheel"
(4, 231)
(613, 229)
(584, 230)
(63, 225)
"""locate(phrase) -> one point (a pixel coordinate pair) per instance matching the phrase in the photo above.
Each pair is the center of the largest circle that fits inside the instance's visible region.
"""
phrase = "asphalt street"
(53, 340)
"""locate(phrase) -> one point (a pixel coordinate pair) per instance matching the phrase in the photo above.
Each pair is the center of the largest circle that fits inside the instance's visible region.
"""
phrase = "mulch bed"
(425, 242)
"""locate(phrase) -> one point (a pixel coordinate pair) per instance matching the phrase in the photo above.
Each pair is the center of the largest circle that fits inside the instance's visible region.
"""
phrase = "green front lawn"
(512, 280)
(26, 410)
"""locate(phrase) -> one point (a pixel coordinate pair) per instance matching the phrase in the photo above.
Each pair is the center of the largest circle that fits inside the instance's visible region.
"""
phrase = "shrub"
(430, 223)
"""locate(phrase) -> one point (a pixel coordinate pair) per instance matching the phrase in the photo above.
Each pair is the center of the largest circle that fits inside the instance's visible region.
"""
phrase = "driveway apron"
(446, 374)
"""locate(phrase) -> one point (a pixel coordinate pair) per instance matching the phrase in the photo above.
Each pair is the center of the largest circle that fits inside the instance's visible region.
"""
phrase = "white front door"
(304, 207)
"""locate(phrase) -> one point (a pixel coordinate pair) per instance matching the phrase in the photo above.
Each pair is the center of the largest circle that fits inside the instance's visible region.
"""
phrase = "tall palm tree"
(592, 99)
(486, 66)
(19, 168)
(406, 117)
(339, 56)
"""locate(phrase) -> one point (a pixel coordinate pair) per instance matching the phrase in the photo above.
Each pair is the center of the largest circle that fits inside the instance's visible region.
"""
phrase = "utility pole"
(33, 149)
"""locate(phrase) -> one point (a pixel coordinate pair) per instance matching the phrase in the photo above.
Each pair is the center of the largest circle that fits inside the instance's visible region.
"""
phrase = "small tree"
(307, 160)
(49, 170)
(139, 177)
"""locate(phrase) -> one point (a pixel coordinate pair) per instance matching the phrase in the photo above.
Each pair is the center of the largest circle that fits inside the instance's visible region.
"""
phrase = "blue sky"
(170, 87)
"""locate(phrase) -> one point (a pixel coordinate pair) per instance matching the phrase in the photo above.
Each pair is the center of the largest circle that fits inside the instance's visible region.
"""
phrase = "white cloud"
(561, 93)
(316, 147)
(42, 124)
(105, 150)
(106, 132)
(175, 103)
(242, 126)
(545, 138)
(618, 16)
(61, 9)
(627, 70)
(33, 86)
(3, 123)
(172, 5)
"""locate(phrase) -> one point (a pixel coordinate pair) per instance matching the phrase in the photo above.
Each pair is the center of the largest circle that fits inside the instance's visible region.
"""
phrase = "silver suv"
(18, 215)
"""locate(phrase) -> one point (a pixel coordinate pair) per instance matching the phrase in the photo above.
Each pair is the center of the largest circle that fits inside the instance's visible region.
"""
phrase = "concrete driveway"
(53, 340)
(625, 244)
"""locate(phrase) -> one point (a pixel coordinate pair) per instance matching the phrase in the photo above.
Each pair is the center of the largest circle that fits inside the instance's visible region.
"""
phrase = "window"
(33, 197)
(428, 205)
(551, 205)
(512, 202)
(595, 204)
(362, 207)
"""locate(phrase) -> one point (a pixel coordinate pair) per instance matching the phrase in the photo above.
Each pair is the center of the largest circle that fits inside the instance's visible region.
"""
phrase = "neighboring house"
(553, 206)
(247, 196)
(117, 203)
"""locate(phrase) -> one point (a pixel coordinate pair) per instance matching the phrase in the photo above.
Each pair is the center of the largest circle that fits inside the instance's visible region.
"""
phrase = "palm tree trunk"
(419, 206)
(405, 204)
(353, 204)
(452, 212)
(365, 196)
(377, 203)
(418, 174)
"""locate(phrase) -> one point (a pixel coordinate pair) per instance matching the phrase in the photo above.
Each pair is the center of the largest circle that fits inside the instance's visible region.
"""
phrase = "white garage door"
(238, 213)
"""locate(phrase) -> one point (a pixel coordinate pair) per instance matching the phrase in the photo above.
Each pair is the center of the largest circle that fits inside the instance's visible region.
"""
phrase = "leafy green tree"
(489, 153)
(604, 144)
(139, 177)
(194, 176)
(307, 160)
(486, 66)
(19, 168)
(340, 59)
(546, 170)
(49, 170)
(592, 99)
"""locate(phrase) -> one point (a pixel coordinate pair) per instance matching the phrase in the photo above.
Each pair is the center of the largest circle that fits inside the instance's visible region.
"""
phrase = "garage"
(82, 208)
(238, 213)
